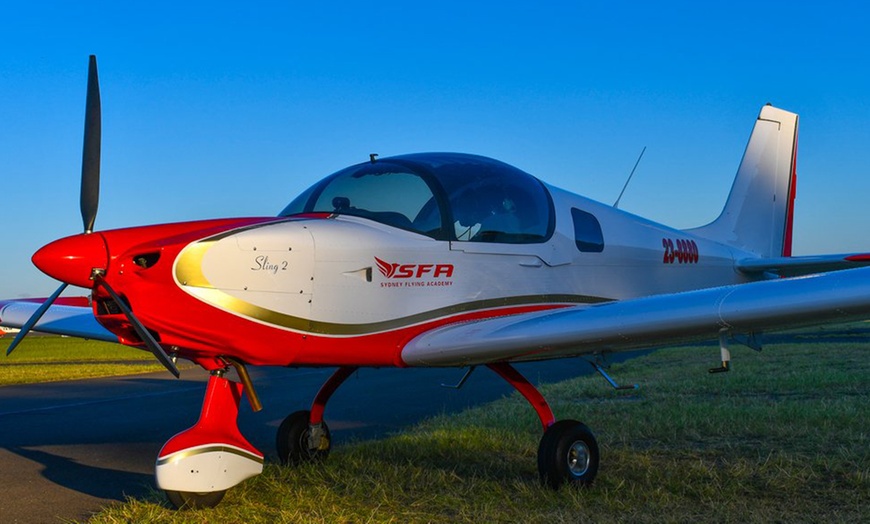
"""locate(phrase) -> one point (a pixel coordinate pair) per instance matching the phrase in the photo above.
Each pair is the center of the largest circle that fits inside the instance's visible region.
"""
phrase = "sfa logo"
(392, 270)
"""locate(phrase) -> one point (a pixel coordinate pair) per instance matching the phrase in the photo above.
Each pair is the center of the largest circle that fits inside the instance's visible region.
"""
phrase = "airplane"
(431, 260)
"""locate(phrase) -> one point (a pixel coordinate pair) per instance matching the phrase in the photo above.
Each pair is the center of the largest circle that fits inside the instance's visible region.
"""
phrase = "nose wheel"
(189, 500)
(197, 466)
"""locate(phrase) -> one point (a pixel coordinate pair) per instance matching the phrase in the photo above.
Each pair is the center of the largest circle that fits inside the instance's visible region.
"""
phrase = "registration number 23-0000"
(680, 251)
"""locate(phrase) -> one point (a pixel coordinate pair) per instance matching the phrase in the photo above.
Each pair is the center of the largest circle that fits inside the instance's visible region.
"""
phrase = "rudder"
(758, 214)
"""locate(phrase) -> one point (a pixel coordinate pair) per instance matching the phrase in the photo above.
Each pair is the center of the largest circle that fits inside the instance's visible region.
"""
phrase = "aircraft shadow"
(104, 483)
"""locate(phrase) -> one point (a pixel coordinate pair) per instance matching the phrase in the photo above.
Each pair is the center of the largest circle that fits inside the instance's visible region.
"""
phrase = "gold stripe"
(181, 455)
(236, 305)
(188, 269)
(188, 272)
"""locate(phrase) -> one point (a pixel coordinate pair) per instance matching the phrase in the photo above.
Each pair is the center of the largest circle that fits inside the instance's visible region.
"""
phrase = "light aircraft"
(432, 259)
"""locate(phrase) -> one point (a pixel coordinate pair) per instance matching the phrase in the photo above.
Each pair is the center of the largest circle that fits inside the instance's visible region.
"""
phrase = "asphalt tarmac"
(69, 448)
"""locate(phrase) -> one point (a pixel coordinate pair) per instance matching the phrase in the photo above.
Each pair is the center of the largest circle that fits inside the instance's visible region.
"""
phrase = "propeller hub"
(73, 259)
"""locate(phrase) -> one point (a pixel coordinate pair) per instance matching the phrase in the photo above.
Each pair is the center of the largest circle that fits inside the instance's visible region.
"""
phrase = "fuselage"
(351, 273)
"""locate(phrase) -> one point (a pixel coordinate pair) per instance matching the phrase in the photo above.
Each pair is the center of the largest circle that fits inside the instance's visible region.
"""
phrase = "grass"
(784, 437)
(51, 358)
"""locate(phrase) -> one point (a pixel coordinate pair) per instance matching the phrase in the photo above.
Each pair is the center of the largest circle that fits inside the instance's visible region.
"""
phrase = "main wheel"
(292, 440)
(188, 500)
(568, 454)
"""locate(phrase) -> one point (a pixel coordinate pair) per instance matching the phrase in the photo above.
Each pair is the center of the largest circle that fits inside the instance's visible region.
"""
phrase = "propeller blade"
(34, 318)
(90, 193)
(143, 333)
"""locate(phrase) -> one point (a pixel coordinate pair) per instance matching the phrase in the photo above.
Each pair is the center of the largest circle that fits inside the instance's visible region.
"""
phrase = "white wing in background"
(74, 321)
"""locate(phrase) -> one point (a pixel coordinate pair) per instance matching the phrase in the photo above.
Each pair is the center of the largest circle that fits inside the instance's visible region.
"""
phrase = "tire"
(292, 440)
(568, 454)
(188, 500)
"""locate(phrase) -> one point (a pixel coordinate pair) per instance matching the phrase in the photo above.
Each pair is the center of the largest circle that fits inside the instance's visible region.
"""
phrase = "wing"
(648, 322)
(60, 319)
(806, 265)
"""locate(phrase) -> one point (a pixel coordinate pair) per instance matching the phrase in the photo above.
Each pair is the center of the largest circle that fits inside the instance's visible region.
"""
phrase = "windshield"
(383, 192)
(445, 196)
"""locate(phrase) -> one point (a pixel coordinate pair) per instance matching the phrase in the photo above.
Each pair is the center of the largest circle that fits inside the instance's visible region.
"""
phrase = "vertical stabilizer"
(758, 213)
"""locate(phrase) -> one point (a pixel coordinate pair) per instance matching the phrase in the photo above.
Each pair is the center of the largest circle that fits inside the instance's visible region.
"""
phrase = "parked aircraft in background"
(431, 259)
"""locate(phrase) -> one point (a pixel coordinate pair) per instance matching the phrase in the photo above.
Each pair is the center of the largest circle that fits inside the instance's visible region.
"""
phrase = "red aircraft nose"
(72, 259)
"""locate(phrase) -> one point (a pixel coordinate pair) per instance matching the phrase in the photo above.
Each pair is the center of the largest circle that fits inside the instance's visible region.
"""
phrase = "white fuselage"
(347, 275)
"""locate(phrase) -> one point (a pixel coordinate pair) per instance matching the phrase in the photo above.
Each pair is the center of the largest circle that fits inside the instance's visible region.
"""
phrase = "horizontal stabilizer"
(648, 322)
(805, 265)
(74, 321)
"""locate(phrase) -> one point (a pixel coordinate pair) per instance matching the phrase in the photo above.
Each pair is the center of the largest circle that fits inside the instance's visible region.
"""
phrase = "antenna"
(616, 204)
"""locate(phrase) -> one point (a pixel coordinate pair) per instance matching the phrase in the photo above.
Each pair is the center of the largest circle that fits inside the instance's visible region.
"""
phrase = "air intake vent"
(146, 260)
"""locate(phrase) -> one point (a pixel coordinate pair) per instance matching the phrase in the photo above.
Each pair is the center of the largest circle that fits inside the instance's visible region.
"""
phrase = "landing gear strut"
(304, 436)
(568, 452)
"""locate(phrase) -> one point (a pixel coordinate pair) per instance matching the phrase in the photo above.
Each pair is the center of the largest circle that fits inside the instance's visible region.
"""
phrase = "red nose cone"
(72, 259)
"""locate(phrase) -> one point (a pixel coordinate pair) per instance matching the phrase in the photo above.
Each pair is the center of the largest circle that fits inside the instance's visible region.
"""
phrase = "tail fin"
(758, 213)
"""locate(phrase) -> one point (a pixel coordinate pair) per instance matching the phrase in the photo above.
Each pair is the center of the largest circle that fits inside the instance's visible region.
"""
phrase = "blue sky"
(228, 109)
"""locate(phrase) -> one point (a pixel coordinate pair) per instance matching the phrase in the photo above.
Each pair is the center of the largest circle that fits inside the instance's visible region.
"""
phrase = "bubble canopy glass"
(445, 196)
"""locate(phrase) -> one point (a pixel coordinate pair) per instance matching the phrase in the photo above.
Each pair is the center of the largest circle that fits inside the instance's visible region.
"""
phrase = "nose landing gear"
(197, 466)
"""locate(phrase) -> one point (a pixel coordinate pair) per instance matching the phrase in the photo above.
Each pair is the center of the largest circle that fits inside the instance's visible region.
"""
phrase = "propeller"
(90, 192)
(143, 333)
(90, 197)
(35, 318)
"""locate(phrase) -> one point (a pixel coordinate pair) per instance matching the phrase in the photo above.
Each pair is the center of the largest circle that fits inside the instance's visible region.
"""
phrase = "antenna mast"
(616, 204)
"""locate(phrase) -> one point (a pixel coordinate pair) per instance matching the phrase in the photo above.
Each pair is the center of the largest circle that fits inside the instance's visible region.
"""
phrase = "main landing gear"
(568, 451)
(567, 454)
(304, 436)
(197, 466)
